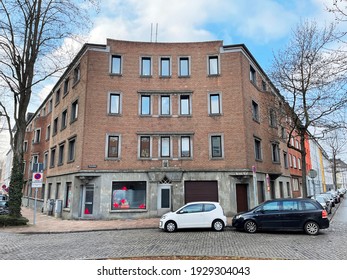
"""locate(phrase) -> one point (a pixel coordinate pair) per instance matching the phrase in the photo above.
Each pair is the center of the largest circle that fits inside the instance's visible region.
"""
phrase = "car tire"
(250, 226)
(170, 226)
(218, 225)
(311, 228)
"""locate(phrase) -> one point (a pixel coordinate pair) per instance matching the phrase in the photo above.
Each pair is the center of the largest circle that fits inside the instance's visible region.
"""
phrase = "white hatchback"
(202, 214)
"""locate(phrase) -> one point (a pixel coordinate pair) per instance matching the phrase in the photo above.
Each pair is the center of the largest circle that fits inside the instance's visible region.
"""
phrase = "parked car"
(284, 214)
(324, 201)
(330, 197)
(341, 191)
(335, 195)
(201, 214)
(4, 210)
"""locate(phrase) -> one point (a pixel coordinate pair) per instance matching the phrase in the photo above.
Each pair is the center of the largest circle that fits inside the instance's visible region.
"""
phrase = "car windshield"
(320, 199)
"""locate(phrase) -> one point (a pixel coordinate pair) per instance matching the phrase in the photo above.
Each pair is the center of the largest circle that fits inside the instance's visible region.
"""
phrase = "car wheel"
(170, 226)
(250, 226)
(218, 225)
(311, 228)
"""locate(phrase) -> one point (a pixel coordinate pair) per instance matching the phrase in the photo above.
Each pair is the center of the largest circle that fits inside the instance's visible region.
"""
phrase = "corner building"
(135, 129)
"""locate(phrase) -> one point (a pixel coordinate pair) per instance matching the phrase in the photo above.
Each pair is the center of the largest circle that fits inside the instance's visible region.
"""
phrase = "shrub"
(7, 220)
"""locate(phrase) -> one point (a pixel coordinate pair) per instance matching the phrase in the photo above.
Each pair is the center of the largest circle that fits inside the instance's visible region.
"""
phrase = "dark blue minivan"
(284, 214)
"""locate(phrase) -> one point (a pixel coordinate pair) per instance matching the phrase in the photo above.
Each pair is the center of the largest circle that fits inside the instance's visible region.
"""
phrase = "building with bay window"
(135, 129)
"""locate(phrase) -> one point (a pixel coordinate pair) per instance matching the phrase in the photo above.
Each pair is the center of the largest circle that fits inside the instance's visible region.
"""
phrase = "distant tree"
(31, 35)
(310, 72)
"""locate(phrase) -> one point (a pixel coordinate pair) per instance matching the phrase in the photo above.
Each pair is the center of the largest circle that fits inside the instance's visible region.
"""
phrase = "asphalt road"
(328, 245)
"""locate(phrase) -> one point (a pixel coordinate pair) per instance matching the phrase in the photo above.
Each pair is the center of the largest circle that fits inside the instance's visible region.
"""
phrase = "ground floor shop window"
(128, 195)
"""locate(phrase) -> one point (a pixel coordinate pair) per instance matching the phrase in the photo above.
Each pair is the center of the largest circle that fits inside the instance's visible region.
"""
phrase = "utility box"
(58, 208)
(50, 206)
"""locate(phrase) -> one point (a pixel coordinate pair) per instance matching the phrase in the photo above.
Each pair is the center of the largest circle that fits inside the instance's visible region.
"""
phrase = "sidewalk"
(50, 224)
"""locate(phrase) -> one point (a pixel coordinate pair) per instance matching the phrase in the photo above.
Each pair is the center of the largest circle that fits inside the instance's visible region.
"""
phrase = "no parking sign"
(37, 180)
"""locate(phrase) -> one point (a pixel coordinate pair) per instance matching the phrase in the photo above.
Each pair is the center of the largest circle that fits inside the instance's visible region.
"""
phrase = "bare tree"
(31, 34)
(311, 74)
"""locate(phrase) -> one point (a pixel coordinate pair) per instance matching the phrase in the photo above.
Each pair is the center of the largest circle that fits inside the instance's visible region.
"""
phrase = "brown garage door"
(200, 191)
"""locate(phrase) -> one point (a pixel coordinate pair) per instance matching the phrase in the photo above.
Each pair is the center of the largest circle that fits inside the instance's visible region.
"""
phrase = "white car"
(202, 214)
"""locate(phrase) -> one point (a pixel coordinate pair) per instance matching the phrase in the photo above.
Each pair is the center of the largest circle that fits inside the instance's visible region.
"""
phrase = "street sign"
(37, 180)
(312, 173)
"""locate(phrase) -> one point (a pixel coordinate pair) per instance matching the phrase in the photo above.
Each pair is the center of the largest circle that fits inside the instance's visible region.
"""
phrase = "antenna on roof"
(151, 31)
(156, 32)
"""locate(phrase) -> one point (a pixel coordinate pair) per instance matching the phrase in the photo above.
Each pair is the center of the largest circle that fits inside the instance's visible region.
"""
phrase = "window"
(74, 111)
(34, 161)
(184, 105)
(165, 70)
(145, 105)
(263, 85)
(290, 160)
(68, 195)
(216, 146)
(165, 105)
(66, 86)
(299, 163)
(50, 105)
(183, 70)
(185, 147)
(285, 159)
(52, 162)
(272, 118)
(114, 103)
(290, 205)
(213, 65)
(275, 152)
(45, 161)
(64, 119)
(57, 97)
(55, 126)
(116, 64)
(76, 74)
(294, 161)
(146, 66)
(72, 148)
(295, 184)
(48, 132)
(257, 149)
(255, 111)
(214, 104)
(145, 147)
(165, 146)
(252, 75)
(61, 154)
(272, 206)
(37, 136)
(25, 146)
(128, 195)
(112, 146)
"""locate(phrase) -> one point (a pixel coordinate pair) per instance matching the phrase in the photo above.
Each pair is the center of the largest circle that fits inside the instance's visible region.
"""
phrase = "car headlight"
(238, 216)
(163, 217)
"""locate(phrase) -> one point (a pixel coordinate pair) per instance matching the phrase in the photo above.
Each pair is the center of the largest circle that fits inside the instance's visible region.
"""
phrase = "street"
(328, 245)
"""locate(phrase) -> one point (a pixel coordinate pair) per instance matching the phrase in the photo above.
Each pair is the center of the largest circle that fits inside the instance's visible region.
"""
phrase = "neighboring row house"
(135, 129)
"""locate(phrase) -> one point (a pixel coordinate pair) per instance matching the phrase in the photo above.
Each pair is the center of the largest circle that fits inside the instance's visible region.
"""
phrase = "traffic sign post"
(36, 183)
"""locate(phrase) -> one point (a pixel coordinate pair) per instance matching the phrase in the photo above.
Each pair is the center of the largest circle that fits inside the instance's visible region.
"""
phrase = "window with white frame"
(285, 160)
(299, 163)
(213, 65)
(165, 105)
(37, 136)
(183, 70)
(214, 104)
(145, 105)
(294, 161)
(185, 146)
(165, 67)
(114, 103)
(185, 104)
(146, 66)
(116, 64)
(216, 148)
(165, 146)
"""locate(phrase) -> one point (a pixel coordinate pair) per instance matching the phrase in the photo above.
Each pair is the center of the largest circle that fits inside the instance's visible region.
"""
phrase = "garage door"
(200, 191)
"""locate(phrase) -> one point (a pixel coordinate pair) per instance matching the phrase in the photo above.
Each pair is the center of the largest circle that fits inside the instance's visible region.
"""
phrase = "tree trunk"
(303, 160)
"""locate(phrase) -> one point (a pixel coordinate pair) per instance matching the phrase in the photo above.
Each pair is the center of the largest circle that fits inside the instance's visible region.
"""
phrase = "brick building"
(134, 129)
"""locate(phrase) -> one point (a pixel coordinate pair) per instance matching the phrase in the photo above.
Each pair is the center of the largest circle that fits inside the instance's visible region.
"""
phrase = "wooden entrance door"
(242, 197)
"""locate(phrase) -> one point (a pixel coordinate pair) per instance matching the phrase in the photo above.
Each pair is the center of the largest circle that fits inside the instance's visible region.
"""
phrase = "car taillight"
(324, 214)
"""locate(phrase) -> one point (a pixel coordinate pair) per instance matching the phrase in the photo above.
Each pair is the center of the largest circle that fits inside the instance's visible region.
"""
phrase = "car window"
(272, 206)
(194, 208)
(290, 205)
(307, 205)
(209, 207)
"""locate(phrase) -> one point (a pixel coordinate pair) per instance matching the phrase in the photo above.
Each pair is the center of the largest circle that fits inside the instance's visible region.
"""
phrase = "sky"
(264, 26)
